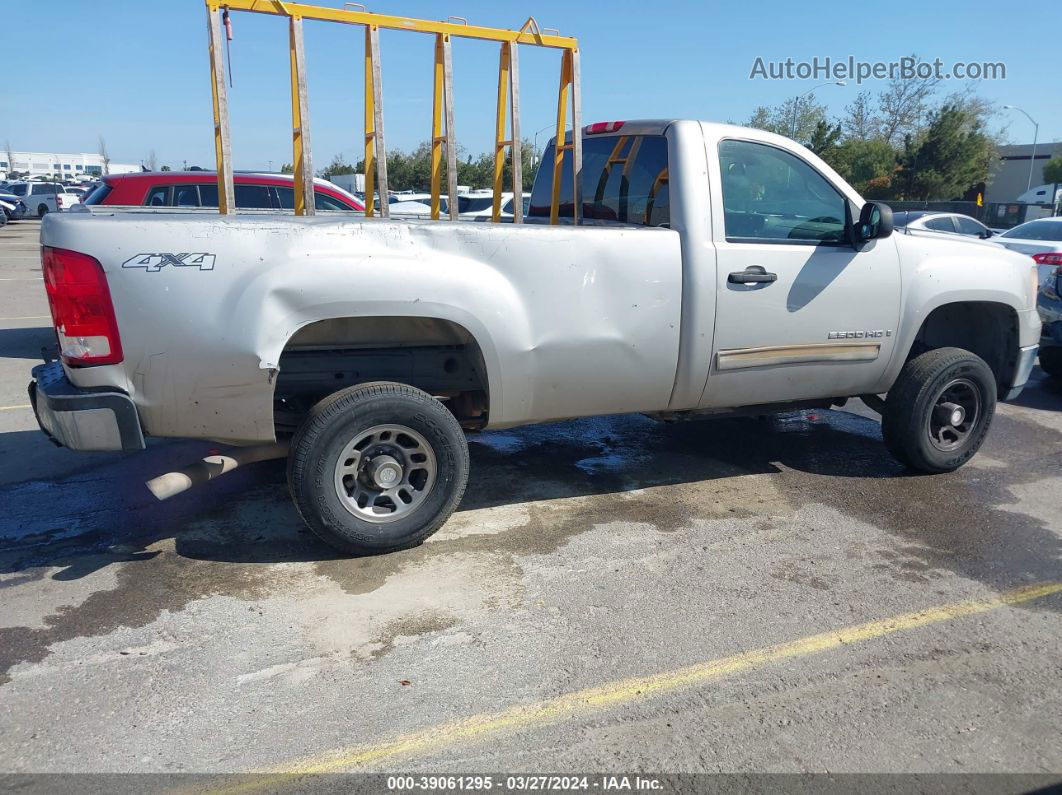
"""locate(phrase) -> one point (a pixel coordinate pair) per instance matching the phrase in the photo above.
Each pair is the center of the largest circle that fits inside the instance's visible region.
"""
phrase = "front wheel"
(1051, 361)
(377, 467)
(938, 412)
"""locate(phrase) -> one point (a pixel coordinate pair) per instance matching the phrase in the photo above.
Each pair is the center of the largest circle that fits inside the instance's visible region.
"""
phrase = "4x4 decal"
(156, 262)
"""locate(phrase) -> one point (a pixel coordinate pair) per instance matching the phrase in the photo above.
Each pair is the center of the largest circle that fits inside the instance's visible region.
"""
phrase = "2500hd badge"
(858, 335)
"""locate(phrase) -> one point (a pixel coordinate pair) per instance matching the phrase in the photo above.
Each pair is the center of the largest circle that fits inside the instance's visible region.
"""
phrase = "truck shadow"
(1042, 392)
(105, 515)
(25, 343)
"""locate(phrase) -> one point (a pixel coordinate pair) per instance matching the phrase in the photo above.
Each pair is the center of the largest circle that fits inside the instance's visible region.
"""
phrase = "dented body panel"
(570, 322)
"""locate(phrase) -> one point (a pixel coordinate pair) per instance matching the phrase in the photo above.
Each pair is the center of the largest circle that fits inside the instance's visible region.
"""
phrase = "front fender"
(937, 273)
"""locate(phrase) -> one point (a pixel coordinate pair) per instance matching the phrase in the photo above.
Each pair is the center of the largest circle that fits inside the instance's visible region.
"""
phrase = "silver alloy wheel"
(385, 473)
(955, 414)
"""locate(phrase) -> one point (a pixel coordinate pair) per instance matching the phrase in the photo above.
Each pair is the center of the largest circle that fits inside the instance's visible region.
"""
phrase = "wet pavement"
(211, 632)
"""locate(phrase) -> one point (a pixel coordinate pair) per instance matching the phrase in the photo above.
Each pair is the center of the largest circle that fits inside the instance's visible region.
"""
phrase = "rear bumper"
(83, 419)
(1026, 359)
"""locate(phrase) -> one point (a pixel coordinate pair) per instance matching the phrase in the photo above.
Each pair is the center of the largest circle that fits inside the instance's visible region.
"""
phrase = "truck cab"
(779, 298)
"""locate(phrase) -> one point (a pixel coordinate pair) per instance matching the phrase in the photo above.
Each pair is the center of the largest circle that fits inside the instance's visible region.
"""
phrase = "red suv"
(200, 189)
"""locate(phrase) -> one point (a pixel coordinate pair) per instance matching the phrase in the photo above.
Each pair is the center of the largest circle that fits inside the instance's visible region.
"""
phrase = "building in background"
(60, 166)
(351, 183)
(1010, 175)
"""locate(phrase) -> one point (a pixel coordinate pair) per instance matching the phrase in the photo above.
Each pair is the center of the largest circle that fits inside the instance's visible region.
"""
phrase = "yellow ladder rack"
(507, 127)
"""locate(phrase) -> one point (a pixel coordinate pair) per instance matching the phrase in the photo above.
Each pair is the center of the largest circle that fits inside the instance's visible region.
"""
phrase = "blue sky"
(137, 72)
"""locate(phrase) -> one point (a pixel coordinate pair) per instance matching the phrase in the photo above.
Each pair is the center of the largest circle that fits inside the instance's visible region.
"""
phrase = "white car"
(413, 208)
(42, 198)
(1040, 237)
(945, 223)
(479, 205)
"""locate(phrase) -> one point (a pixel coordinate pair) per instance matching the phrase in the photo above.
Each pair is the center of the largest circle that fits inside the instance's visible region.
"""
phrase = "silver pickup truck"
(714, 269)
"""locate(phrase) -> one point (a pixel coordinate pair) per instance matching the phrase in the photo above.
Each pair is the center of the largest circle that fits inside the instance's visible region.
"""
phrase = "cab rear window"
(625, 181)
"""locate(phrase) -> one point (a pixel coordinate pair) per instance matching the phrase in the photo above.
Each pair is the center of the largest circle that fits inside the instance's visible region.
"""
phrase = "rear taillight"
(82, 312)
(1048, 259)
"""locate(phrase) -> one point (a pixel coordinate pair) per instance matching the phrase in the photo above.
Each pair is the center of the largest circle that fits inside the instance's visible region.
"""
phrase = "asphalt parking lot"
(616, 594)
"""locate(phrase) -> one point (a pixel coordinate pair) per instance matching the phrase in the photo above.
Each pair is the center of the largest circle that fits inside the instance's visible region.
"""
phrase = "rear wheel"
(1051, 361)
(377, 467)
(42, 210)
(938, 412)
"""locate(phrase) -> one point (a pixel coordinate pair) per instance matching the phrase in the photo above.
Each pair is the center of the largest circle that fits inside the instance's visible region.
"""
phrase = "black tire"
(910, 422)
(334, 424)
(42, 210)
(1051, 361)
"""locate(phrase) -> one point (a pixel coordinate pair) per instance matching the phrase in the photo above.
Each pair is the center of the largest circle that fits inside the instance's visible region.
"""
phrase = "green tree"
(1053, 169)
(337, 166)
(824, 138)
(903, 107)
(164, 168)
(954, 154)
(869, 166)
(287, 168)
(796, 118)
(861, 122)
(412, 170)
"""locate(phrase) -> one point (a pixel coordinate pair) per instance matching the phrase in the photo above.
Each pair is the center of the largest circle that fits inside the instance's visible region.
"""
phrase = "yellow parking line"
(441, 736)
(12, 408)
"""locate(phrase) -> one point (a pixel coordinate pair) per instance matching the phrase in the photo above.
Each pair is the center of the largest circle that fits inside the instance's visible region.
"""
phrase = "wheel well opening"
(985, 328)
(438, 356)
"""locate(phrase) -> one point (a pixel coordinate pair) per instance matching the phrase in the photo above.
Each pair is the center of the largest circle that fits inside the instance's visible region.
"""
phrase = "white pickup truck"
(715, 269)
(42, 198)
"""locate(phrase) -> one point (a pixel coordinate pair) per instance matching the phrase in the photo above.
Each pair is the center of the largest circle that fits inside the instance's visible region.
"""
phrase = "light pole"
(796, 102)
(1036, 133)
(534, 161)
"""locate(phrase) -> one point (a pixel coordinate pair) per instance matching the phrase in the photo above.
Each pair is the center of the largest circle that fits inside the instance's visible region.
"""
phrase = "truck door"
(800, 313)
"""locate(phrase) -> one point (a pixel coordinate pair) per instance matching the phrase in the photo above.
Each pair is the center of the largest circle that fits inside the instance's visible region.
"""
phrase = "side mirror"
(987, 234)
(875, 221)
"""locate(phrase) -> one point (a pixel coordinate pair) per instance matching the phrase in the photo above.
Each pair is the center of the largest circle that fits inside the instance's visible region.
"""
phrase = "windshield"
(1037, 230)
(97, 195)
(467, 204)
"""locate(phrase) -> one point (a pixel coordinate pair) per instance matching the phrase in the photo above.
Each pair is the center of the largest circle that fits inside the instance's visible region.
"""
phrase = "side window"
(968, 226)
(772, 195)
(322, 201)
(252, 197)
(185, 196)
(942, 223)
(286, 197)
(208, 194)
(44, 188)
(625, 181)
(158, 197)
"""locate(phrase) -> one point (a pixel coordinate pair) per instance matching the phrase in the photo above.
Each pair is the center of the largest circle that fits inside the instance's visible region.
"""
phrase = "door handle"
(754, 274)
